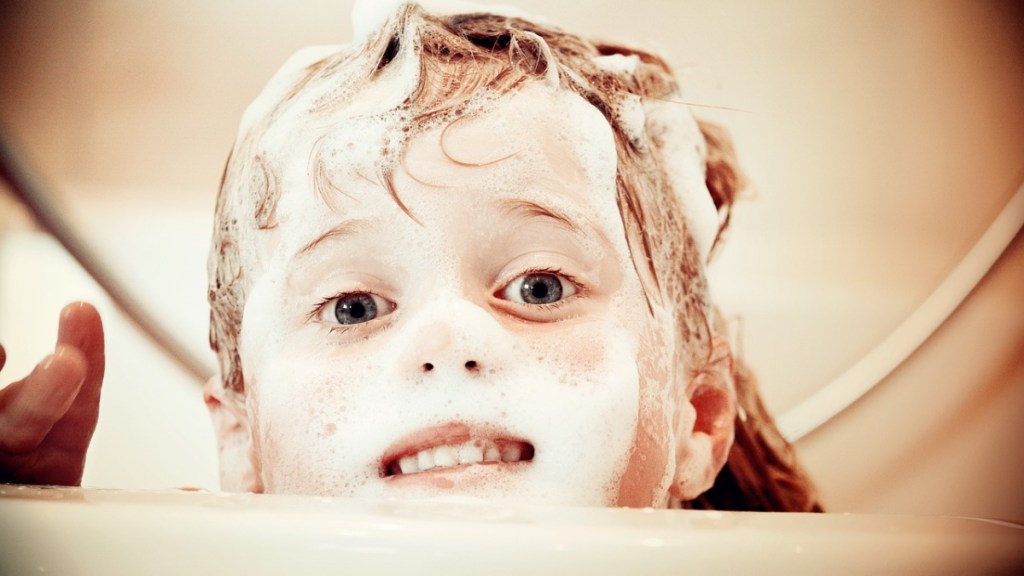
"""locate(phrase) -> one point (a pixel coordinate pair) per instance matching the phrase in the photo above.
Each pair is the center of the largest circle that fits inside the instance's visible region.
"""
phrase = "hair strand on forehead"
(389, 182)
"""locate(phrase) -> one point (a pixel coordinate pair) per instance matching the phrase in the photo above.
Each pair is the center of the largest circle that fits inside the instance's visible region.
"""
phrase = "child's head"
(471, 237)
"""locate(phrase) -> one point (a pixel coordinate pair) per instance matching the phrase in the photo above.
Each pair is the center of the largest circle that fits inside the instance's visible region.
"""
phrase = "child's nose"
(470, 365)
(453, 338)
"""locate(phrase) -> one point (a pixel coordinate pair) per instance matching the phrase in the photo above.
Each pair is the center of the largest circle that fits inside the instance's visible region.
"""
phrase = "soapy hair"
(462, 59)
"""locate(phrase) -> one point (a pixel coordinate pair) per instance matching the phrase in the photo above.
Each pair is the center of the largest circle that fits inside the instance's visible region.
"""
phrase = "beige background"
(882, 138)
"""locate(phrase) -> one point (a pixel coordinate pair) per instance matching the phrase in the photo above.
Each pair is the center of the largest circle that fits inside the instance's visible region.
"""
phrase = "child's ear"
(239, 466)
(705, 426)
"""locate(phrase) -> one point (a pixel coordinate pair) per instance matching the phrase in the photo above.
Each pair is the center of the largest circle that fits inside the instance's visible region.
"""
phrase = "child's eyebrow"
(526, 210)
(515, 208)
(346, 228)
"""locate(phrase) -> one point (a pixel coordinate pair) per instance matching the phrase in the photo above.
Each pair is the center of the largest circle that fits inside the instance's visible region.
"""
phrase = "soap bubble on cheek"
(300, 430)
(330, 411)
(596, 381)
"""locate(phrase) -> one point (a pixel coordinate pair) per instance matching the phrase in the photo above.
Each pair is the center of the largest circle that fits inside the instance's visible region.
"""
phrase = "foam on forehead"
(324, 101)
(670, 123)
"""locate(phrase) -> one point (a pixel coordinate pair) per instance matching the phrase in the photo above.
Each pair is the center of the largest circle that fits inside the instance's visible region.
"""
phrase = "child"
(465, 256)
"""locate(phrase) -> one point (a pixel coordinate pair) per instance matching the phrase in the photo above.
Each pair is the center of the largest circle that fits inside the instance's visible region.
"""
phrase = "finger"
(81, 327)
(30, 407)
(3, 357)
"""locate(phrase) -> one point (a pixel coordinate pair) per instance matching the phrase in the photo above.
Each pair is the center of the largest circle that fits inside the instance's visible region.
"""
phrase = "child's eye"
(539, 288)
(355, 308)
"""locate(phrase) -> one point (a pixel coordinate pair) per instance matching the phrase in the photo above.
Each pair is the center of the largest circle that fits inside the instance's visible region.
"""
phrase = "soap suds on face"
(339, 146)
(581, 379)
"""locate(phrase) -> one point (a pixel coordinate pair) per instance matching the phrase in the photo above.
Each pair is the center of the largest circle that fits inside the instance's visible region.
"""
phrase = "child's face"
(502, 320)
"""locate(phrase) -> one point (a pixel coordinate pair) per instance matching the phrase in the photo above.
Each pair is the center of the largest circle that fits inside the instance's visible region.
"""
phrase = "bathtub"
(86, 531)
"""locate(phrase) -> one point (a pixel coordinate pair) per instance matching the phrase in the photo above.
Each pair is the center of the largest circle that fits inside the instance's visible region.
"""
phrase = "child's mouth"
(452, 446)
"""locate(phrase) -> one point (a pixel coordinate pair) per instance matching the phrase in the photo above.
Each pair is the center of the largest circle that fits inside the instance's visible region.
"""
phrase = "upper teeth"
(471, 452)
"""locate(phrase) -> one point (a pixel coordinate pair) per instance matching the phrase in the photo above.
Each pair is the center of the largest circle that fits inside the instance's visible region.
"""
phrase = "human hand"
(47, 418)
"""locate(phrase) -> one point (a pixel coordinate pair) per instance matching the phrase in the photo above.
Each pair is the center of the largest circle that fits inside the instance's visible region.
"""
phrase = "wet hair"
(466, 62)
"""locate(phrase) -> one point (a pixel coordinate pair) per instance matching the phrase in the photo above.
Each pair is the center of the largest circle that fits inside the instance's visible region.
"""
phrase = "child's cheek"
(597, 365)
(299, 397)
(649, 470)
(304, 420)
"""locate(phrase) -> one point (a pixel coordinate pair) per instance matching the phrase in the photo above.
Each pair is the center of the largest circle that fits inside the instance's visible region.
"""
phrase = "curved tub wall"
(176, 533)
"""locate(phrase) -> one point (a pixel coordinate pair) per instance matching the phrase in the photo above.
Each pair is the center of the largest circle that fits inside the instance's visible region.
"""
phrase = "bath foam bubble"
(684, 151)
(623, 64)
(363, 139)
(282, 82)
(632, 120)
(348, 157)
